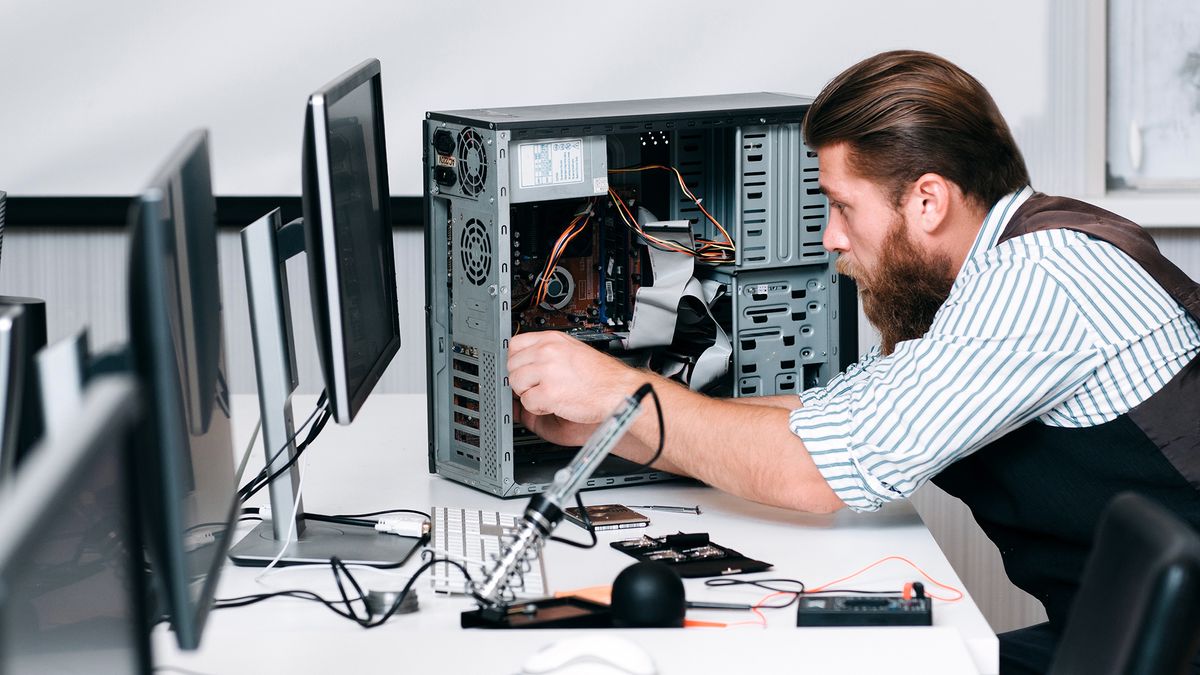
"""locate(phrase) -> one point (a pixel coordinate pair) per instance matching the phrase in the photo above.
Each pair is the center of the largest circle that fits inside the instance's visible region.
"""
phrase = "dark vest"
(1038, 491)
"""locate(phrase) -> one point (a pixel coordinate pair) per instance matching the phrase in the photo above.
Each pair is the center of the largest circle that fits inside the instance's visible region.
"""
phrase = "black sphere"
(648, 595)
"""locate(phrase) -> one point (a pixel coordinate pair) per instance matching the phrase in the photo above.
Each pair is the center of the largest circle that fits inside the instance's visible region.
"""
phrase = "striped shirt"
(1053, 326)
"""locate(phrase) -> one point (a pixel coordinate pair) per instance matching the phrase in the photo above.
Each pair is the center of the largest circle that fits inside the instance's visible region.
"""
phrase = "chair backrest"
(1138, 607)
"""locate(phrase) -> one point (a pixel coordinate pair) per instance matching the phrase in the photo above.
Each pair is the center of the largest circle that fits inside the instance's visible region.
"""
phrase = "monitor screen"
(352, 269)
(177, 344)
(71, 578)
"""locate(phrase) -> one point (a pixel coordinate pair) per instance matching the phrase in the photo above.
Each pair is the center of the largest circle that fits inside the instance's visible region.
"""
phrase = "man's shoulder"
(1042, 264)
(1032, 250)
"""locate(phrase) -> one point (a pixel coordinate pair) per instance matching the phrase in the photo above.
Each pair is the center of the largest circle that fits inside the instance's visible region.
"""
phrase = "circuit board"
(590, 287)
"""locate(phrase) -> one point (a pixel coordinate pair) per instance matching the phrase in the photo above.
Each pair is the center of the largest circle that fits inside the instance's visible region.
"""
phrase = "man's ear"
(928, 205)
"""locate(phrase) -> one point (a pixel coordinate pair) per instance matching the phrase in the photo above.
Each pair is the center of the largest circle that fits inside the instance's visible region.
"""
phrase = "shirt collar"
(997, 219)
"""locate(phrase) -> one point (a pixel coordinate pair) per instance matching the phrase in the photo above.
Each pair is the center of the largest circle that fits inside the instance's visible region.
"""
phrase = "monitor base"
(353, 545)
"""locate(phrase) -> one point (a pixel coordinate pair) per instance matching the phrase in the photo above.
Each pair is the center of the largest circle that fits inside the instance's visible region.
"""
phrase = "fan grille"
(472, 162)
(475, 251)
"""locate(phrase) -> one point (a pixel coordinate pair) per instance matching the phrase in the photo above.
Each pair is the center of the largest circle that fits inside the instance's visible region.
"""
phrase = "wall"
(126, 79)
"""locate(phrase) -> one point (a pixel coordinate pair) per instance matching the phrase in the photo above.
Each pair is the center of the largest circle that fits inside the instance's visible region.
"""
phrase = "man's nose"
(835, 239)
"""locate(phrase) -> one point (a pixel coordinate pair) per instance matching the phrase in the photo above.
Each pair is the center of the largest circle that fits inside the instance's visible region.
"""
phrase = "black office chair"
(1138, 607)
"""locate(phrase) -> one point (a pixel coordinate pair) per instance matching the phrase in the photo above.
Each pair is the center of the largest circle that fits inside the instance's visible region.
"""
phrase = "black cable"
(339, 520)
(587, 525)
(662, 427)
(638, 396)
(769, 585)
(380, 513)
(339, 568)
(312, 435)
(357, 519)
(765, 584)
(299, 430)
(271, 460)
(263, 479)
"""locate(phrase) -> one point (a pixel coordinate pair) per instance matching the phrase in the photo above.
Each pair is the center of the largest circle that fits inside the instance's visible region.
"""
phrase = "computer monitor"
(61, 372)
(346, 232)
(71, 564)
(21, 337)
(177, 347)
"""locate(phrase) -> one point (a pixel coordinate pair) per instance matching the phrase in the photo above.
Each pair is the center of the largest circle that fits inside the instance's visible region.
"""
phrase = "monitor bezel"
(321, 241)
(163, 467)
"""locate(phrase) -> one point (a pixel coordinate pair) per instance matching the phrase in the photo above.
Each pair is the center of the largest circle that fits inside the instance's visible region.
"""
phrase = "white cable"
(288, 540)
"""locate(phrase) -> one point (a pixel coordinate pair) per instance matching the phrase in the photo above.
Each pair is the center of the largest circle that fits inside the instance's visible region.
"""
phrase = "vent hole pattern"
(472, 162)
(475, 252)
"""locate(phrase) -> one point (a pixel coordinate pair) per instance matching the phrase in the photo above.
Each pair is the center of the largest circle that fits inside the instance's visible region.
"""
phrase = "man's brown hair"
(903, 114)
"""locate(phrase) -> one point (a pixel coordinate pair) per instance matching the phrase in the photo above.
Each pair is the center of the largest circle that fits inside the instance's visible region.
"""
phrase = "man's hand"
(566, 388)
(554, 428)
(555, 374)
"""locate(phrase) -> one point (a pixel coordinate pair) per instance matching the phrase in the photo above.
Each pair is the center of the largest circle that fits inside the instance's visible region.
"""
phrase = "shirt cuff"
(827, 432)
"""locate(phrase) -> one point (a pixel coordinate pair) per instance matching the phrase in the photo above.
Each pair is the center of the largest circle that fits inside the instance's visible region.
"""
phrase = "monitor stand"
(266, 247)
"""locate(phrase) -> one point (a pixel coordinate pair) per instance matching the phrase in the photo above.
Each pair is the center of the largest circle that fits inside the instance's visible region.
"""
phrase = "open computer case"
(575, 218)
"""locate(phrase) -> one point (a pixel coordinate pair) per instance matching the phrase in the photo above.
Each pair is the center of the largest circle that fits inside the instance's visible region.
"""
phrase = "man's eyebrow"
(826, 191)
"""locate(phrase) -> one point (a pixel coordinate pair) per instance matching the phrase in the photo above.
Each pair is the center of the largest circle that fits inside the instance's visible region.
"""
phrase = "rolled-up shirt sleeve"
(992, 361)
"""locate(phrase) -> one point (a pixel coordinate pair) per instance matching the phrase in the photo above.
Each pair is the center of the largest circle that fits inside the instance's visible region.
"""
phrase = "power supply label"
(557, 162)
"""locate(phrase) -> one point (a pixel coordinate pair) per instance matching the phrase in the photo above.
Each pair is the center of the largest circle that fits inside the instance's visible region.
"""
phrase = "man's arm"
(747, 450)
(785, 401)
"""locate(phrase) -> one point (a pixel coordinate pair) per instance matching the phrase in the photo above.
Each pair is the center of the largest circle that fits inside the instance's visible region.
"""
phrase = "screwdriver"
(694, 510)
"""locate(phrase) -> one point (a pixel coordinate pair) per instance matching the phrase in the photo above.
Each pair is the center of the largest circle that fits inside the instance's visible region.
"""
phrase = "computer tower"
(609, 221)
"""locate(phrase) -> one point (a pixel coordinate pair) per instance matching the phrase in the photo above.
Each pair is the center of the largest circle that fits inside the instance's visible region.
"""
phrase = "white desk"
(380, 462)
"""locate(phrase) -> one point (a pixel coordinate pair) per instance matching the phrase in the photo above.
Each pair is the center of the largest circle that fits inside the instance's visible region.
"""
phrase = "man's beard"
(905, 290)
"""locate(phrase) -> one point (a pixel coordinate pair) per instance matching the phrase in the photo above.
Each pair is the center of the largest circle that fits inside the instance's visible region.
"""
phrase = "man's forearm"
(785, 401)
(747, 450)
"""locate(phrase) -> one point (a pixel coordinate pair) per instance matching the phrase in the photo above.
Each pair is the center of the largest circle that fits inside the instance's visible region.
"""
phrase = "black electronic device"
(691, 555)
(864, 610)
(566, 612)
(644, 595)
(185, 455)
(648, 594)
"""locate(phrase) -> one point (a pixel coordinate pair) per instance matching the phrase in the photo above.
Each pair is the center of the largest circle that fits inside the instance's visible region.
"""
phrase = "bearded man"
(1038, 355)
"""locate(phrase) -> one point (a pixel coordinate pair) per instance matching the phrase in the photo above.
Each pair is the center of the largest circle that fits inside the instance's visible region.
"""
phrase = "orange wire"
(631, 221)
(560, 245)
(554, 262)
(682, 186)
(910, 564)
